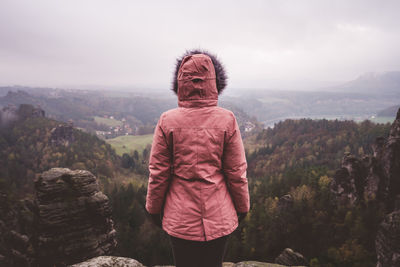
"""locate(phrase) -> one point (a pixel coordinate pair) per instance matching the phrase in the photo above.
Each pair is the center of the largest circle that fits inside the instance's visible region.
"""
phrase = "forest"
(290, 170)
(326, 232)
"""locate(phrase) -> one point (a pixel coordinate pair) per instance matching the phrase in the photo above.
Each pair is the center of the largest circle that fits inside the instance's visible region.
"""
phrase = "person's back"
(197, 162)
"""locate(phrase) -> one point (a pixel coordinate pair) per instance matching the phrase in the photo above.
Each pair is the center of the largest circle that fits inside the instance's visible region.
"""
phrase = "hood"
(199, 78)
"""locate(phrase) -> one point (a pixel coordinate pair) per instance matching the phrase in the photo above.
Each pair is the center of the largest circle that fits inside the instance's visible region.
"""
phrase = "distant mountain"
(81, 106)
(372, 82)
(389, 112)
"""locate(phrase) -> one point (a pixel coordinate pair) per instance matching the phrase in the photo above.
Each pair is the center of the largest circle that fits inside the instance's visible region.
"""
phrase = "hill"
(32, 144)
(303, 143)
(91, 110)
(373, 82)
(389, 112)
(272, 106)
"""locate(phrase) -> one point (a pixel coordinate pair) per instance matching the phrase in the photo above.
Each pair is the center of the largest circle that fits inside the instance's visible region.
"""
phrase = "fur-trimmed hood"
(220, 74)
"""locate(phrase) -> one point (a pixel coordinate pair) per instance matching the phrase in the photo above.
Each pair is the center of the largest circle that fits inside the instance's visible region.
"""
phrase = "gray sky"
(127, 43)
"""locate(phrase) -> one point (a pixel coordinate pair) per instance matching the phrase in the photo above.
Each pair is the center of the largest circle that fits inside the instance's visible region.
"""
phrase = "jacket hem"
(201, 238)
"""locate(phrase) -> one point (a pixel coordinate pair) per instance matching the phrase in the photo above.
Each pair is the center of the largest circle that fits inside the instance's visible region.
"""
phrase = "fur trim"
(221, 77)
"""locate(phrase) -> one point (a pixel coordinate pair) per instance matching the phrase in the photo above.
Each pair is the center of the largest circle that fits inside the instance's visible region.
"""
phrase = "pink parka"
(197, 161)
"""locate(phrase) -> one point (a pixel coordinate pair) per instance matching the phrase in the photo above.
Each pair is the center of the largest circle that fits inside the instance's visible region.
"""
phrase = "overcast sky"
(263, 44)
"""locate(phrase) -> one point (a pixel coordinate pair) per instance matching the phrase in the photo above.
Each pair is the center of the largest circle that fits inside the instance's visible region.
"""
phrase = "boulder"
(113, 261)
(109, 261)
(291, 258)
(256, 264)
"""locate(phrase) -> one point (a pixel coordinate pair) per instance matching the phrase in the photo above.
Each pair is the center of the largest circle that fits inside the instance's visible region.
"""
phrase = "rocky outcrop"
(391, 163)
(16, 232)
(11, 113)
(375, 177)
(349, 181)
(388, 241)
(74, 218)
(62, 135)
(291, 258)
(28, 111)
(111, 261)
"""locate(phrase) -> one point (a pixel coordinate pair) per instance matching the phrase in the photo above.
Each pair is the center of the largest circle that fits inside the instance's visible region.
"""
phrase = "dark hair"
(221, 77)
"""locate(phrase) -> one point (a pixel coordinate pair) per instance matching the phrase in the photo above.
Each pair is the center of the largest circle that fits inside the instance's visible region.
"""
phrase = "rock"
(113, 261)
(74, 218)
(28, 111)
(391, 163)
(19, 241)
(11, 113)
(388, 241)
(291, 258)
(62, 135)
(256, 264)
(109, 261)
(349, 181)
(15, 244)
(285, 203)
(375, 177)
(8, 115)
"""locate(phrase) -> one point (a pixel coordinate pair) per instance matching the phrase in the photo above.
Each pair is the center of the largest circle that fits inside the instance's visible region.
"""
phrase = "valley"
(296, 143)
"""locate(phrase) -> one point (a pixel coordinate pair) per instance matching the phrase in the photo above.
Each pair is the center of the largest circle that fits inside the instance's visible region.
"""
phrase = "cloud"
(135, 43)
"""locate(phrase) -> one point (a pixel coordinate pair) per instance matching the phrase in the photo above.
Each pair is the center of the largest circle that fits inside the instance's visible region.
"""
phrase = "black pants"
(189, 253)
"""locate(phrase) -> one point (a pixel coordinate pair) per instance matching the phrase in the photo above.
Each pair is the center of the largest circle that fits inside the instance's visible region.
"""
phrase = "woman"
(197, 181)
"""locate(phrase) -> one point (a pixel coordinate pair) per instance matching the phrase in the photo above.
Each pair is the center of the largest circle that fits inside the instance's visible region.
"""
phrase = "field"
(128, 143)
(108, 122)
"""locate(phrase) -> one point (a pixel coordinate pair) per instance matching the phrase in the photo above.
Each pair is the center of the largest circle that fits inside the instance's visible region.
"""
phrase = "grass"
(128, 143)
(108, 122)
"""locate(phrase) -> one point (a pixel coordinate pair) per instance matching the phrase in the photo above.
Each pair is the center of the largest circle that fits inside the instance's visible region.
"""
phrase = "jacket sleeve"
(234, 167)
(159, 167)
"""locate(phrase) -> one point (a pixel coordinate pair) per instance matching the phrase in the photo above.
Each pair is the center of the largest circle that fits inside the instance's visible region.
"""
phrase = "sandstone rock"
(391, 163)
(28, 111)
(291, 258)
(388, 241)
(11, 113)
(349, 181)
(109, 261)
(375, 177)
(256, 264)
(62, 135)
(112, 261)
(15, 245)
(74, 218)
